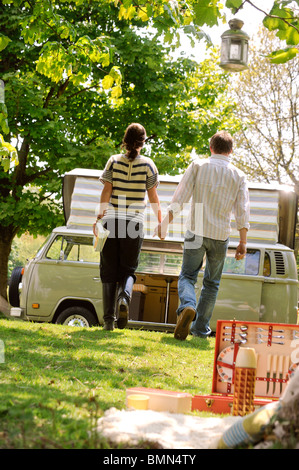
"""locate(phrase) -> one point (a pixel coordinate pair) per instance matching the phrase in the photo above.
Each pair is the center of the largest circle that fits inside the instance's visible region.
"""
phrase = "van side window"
(248, 266)
(267, 265)
(160, 263)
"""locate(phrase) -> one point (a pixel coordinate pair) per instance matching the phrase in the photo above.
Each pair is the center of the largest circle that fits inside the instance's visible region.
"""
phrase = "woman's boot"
(109, 291)
(125, 290)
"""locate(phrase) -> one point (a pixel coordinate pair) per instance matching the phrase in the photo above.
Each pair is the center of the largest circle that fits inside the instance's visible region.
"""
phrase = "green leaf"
(107, 82)
(233, 4)
(105, 58)
(4, 40)
(278, 23)
(116, 91)
(283, 55)
(8, 154)
(288, 29)
(5, 163)
(290, 35)
(116, 74)
(168, 37)
(205, 13)
(3, 118)
(143, 15)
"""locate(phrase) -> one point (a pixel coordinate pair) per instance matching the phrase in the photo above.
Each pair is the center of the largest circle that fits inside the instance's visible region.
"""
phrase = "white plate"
(227, 357)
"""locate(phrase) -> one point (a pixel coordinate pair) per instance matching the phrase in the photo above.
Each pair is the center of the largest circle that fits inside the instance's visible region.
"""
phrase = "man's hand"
(161, 231)
(240, 251)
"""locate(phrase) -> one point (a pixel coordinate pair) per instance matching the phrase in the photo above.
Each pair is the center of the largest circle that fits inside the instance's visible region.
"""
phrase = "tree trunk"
(7, 235)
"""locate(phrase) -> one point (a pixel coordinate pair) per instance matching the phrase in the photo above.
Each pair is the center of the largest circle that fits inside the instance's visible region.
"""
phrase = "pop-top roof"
(82, 191)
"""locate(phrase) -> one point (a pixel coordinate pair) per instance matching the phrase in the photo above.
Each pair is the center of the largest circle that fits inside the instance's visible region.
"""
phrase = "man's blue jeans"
(195, 248)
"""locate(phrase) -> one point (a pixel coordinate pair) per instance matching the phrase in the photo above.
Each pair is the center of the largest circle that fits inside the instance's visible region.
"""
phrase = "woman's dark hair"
(134, 139)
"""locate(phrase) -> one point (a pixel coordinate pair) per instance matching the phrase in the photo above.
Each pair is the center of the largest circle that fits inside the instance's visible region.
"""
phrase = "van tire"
(77, 316)
(13, 287)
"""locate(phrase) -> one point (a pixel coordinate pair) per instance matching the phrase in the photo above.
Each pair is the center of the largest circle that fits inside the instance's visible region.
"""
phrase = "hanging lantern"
(234, 47)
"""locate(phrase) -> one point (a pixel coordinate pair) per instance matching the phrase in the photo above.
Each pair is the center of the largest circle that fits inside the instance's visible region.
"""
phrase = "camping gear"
(277, 360)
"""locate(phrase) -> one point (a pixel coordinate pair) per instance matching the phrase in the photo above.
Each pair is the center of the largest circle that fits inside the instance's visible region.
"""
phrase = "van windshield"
(73, 248)
(42, 246)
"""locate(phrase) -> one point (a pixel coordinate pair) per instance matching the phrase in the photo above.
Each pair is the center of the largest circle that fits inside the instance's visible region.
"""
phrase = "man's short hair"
(221, 142)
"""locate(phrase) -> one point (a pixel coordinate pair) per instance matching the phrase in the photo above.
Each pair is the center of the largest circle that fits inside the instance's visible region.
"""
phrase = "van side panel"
(54, 281)
(278, 304)
(239, 298)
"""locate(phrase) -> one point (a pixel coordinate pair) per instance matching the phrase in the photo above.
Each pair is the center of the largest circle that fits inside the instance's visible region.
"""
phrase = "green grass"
(56, 381)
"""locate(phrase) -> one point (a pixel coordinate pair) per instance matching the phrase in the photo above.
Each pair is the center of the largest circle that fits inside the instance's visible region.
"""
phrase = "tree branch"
(49, 96)
(82, 91)
(63, 87)
(32, 177)
(20, 169)
(271, 16)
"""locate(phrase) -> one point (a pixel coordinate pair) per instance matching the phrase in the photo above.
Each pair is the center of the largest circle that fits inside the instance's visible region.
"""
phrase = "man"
(217, 189)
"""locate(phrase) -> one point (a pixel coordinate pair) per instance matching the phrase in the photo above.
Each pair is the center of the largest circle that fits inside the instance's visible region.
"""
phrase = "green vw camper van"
(61, 283)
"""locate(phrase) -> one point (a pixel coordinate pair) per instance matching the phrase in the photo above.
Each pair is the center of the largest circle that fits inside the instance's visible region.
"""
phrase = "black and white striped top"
(130, 180)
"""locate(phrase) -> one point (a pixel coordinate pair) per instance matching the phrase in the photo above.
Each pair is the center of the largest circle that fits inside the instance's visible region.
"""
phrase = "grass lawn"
(56, 381)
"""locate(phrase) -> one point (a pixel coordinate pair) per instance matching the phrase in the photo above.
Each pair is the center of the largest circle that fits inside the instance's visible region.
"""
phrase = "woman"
(126, 178)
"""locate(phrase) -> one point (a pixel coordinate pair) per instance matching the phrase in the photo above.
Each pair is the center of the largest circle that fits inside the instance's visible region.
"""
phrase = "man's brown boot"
(184, 321)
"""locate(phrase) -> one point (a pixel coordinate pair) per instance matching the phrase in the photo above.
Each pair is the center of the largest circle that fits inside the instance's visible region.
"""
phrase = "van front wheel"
(77, 316)
(14, 287)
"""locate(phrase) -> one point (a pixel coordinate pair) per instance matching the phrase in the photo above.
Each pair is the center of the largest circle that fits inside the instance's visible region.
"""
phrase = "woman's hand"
(94, 227)
(161, 230)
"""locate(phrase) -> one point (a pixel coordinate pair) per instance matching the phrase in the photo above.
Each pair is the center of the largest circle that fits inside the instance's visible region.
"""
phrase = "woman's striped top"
(130, 180)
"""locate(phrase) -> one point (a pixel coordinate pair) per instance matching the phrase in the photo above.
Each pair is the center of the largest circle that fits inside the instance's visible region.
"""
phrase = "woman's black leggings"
(120, 254)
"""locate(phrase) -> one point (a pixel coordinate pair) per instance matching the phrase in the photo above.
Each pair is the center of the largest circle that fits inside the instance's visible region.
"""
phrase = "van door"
(69, 269)
(240, 290)
(279, 296)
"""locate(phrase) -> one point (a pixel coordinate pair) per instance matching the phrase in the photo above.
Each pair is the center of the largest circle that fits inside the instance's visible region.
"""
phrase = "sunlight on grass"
(56, 381)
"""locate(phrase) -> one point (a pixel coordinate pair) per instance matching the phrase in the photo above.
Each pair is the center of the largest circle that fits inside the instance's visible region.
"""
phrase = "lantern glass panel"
(235, 50)
(224, 50)
(245, 52)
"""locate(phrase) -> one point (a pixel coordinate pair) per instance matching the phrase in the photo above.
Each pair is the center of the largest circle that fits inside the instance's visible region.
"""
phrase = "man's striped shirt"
(130, 180)
(217, 189)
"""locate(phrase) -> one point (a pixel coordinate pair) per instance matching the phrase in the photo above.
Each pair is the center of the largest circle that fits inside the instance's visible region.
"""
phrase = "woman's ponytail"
(133, 140)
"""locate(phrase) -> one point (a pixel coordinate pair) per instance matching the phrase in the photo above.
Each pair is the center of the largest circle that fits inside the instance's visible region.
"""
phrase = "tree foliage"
(77, 72)
(267, 99)
(170, 16)
(75, 75)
